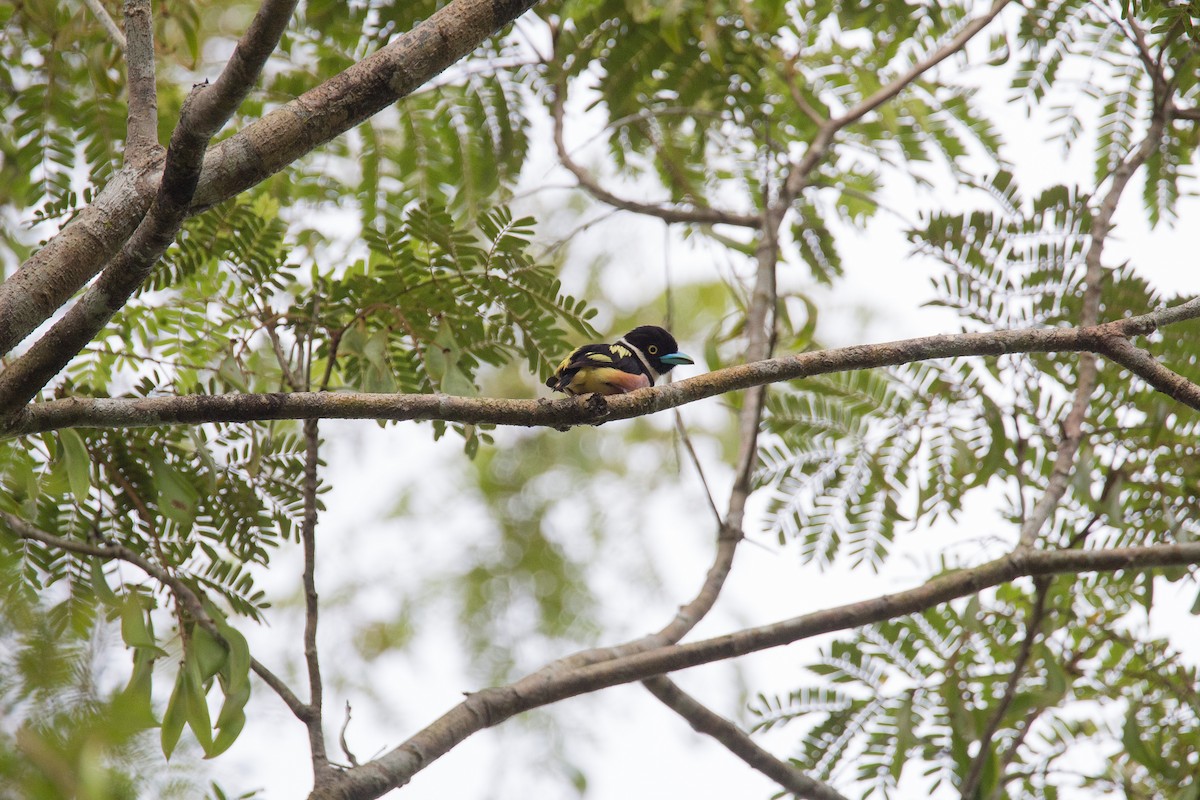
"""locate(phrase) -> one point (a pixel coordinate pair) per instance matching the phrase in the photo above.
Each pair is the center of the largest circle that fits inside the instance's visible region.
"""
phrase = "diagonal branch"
(106, 21)
(1146, 367)
(1072, 425)
(705, 721)
(492, 706)
(52, 275)
(141, 124)
(954, 45)
(206, 109)
(798, 175)
(191, 409)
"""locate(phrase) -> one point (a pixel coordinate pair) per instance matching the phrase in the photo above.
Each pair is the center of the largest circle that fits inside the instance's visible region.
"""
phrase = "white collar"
(641, 357)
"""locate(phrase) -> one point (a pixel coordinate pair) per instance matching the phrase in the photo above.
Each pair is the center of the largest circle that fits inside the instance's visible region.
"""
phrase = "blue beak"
(675, 359)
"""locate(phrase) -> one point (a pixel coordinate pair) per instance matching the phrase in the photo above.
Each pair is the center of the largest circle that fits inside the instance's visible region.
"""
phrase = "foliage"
(402, 257)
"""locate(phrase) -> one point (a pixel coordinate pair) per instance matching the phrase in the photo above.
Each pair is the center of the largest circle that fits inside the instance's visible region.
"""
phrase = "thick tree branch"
(206, 109)
(192, 409)
(708, 722)
(106, 21)
(494, 705)
(52, 275)
(141, 123)
(75, 254)
(342, 102)
(183, 594)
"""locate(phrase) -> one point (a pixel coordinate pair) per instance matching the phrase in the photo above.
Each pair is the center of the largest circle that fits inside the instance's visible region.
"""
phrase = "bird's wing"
(604, 368)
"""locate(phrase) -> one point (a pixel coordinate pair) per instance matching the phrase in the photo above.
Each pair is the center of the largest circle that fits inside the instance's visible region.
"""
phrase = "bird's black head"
(659, 347)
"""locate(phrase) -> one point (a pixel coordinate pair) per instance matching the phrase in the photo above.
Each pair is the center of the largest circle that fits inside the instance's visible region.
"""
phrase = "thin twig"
(694, 214)
(342, 738)
(695, 459)
(706, 721)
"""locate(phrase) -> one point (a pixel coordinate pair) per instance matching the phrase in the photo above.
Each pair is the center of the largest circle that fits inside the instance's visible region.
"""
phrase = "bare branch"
(49, 277)
(695, 459)
(106, 21)
(191, 409)
(1146, 367)
(141, 123)
(708, 722)
(494, 705)
(350, 757)
(308, 534)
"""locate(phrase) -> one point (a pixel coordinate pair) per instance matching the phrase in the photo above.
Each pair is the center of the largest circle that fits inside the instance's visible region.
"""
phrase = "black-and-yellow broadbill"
(634, 361)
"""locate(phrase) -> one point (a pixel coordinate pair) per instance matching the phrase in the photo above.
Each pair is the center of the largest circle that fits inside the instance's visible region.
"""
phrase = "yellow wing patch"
(599, 357)
(620, 351)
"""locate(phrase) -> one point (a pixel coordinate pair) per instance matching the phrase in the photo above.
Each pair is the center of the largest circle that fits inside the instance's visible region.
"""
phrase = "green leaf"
(210, 653)
(104, 592)
(196, 706)
(177, 498)
(136, 699)
(134, 628)
(78, 463)
(175, 716)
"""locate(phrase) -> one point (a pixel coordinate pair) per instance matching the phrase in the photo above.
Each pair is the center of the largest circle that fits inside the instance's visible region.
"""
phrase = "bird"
(634, 361)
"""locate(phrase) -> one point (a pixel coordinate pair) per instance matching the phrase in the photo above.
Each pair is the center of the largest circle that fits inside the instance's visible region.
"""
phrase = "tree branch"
(1072, 426)
(192, 409)
(106, 21)
(494, 705)
(183, 594)
(1033, 624)
(1146, 367)
(52, 275)
(335, 106)
(206, 109)
(954, 45)
(141, 123)
(308, 534)
(738, 742)
(701, 215)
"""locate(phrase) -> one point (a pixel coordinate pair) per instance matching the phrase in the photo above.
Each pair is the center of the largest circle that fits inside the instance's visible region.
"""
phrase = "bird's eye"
(652, 349)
